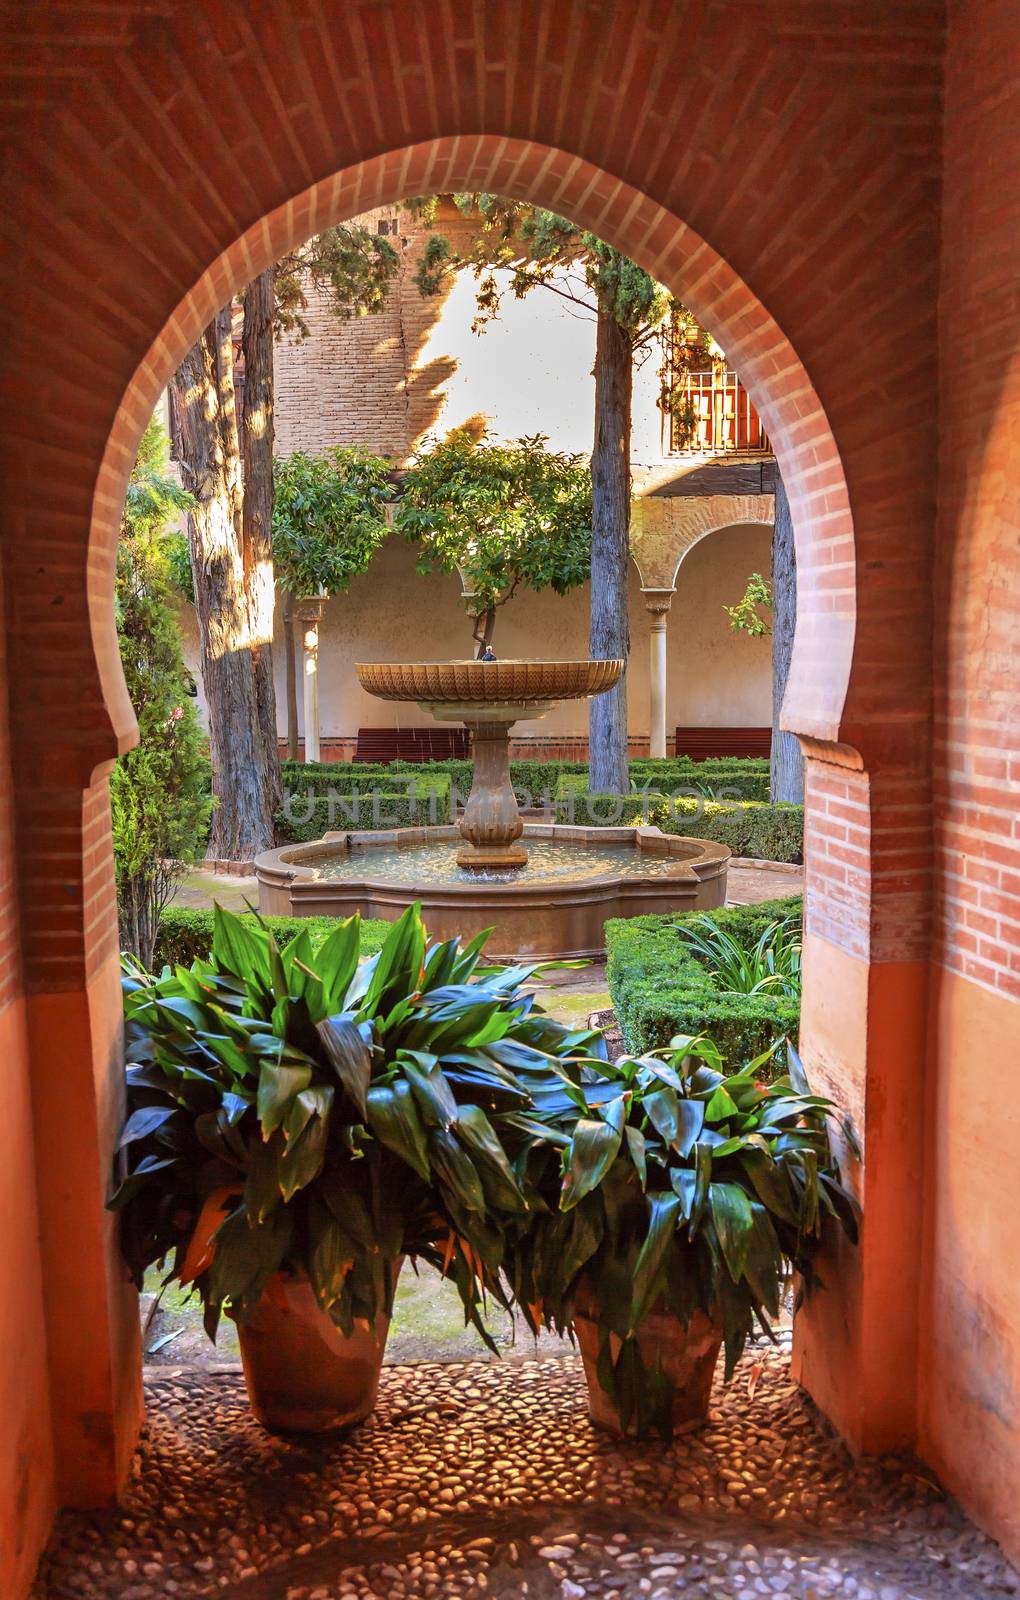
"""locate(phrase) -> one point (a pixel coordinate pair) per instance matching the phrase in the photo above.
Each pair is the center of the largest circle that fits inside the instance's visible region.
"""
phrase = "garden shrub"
(752, 828)
(763, 831)
(659, 987)
(306, 820)
(185, 935)
(344, 777)
(460, 772)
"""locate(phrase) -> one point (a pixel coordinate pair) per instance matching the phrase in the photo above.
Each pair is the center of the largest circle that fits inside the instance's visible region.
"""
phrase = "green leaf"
(331, 1253)
(593, 1149)
(702, 1178)
(146, 1120)
(731, 1214)
(302, 1160)
(720, 1106)
(636, 1145)
(431, 1090)
(239, 948)
(315, 1101)
(476, 1131)
(262, 1184)
(454, 1167)
(664, 1214)
(245, 1258)
(393, 1117)
(278, 1086)
(336, 962)
(663, 1110)
(349, 1055)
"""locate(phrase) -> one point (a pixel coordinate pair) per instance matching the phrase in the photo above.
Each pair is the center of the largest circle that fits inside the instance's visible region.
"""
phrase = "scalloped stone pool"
(555, 906)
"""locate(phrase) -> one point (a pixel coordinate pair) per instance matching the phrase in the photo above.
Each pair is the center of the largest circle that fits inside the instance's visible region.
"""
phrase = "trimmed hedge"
(765, 832)
(659, 987)
(186, 934)
(459, 772)
(750, 828)
(370, 813)
(343, 777)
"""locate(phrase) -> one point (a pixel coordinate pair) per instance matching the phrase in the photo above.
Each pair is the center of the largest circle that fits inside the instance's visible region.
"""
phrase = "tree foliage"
(540, 249)
(353, 266)
(159, 791)
(328, 517)
(502, 515)
(746, 615)
(516, 248)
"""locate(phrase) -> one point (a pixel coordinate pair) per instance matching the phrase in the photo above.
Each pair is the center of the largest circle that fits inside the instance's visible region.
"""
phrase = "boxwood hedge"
(750, 827)
(659, 987)
(186, 934)
(344, 777)
(306, 819)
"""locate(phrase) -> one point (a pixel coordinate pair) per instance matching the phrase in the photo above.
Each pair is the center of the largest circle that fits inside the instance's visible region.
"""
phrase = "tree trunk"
(486, 620)
(292, 711)
(787, 774)
(609, 633)
(257, 516)
(242, 823)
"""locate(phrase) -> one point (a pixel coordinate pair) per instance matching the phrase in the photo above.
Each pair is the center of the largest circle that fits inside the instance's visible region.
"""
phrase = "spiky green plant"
(297, 1110)
(664, 1180)
(772, 963)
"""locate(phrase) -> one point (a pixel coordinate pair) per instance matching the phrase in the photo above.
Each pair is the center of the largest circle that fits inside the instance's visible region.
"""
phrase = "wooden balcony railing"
(715, 415)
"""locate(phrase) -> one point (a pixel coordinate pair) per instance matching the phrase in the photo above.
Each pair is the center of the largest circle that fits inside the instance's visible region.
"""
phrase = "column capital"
(658, 601)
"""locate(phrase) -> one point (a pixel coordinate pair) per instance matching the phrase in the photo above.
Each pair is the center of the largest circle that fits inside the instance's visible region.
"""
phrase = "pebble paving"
(489, 1482)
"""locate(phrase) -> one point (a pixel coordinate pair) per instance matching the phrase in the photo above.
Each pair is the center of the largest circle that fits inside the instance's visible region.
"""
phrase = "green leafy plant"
(186, 933)
(772, 963)
(503, 515)
(329, 517)
(159, 791)
(298, 1110)
(661, 986)
(746, 615)
(678, 1185)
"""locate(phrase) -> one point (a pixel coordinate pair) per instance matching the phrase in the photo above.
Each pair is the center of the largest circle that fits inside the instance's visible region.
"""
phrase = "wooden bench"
(703, 744)
(380, 746)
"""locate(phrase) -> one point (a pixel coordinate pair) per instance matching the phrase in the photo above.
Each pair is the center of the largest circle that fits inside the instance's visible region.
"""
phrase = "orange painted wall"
(26, 1454)
(863, 1032)
(970, 1375)
(970, 1307)
(27, 1488)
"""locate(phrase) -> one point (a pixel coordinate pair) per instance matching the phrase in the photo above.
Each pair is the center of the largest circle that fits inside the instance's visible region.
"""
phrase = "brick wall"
(171, 152)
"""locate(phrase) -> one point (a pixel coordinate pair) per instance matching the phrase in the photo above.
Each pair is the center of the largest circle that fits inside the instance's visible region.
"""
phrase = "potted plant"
(300, 1121)
(669, 1203)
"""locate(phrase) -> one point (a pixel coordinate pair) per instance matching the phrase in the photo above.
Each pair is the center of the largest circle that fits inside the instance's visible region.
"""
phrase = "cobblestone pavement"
(489, 1481)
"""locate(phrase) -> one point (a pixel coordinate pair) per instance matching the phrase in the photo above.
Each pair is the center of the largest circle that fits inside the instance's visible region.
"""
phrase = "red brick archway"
(783, 179)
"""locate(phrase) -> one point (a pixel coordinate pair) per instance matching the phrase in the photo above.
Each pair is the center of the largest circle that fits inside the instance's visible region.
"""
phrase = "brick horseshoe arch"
(666, 247)
(781, 178)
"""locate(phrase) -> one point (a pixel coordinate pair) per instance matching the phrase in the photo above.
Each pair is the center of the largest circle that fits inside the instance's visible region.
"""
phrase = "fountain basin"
(556, 907)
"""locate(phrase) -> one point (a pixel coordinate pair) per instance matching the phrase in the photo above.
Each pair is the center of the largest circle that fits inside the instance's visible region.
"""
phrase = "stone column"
(657, 602)
(309, 612)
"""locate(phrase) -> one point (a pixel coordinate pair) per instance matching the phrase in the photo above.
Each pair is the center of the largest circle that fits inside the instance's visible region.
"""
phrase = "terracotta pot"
(687, 1356)
(302, 1374)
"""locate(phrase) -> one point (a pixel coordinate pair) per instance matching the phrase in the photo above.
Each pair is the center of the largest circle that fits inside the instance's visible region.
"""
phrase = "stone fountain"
(545, 889)
(488, 697)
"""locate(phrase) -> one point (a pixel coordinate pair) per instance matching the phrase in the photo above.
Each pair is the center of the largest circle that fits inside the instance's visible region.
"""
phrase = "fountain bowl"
(480, 686)
(544, 920)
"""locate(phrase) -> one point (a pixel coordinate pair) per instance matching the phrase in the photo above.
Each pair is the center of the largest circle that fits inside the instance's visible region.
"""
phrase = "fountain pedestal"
(491, 822)
(489, 697)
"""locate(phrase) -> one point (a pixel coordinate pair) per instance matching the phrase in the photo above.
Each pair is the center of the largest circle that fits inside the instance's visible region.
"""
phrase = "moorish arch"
(165, 193)
(664, 530)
